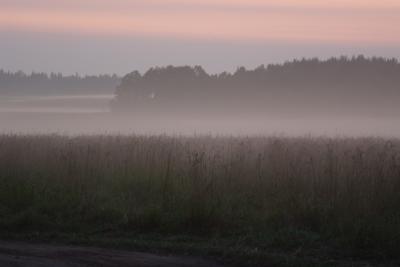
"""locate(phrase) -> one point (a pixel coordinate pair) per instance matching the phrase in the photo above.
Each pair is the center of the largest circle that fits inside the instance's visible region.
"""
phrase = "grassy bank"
(306, 197)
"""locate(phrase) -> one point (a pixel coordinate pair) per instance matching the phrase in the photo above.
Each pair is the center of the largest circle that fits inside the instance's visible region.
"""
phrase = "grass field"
(291, 201)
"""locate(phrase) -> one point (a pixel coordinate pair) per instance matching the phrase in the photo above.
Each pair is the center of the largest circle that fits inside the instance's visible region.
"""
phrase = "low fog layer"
(356, 96)
(107, 123)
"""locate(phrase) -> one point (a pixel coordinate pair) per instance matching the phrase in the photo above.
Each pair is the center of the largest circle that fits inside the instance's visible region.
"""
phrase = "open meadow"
(292, 201)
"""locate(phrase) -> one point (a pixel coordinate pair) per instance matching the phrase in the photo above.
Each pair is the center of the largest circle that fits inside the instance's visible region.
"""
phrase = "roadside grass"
(272, 201)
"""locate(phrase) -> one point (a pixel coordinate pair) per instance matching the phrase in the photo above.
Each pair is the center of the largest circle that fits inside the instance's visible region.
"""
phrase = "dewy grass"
(345, 190)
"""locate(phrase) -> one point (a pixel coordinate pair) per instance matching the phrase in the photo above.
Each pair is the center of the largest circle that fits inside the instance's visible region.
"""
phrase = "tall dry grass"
(345, 189)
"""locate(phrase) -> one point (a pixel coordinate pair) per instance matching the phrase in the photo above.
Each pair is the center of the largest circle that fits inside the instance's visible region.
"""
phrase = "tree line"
(55, 83)
(357, 85)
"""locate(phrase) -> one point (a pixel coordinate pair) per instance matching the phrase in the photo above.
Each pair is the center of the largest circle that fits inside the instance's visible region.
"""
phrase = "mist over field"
(94, 121)
(341, 96)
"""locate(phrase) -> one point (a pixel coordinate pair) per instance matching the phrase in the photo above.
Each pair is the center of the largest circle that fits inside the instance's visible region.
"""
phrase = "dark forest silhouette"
(12, 83)
(357, 85)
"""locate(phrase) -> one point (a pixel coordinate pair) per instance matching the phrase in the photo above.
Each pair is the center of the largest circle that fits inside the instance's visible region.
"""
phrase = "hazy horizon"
(97, 36)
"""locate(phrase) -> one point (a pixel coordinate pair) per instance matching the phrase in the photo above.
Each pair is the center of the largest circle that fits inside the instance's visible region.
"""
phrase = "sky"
(118, 36)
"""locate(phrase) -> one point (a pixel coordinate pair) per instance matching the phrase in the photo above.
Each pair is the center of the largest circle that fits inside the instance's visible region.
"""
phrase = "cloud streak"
(95, 4)
(308, 21)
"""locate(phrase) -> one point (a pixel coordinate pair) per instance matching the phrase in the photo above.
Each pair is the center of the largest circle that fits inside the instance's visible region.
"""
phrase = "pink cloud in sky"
(225, 3)
(340, 21)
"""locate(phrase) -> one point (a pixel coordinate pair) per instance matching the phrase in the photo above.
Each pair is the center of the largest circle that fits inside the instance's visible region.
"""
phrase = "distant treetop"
(55, 83)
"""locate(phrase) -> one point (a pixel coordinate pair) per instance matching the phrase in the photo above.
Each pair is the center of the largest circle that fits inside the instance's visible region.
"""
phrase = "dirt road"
(15, 254)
